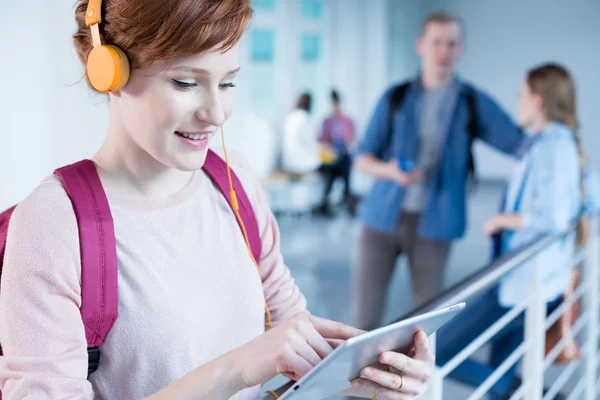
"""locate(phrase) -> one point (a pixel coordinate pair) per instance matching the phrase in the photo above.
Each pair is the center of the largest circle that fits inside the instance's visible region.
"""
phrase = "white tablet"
(335, 372)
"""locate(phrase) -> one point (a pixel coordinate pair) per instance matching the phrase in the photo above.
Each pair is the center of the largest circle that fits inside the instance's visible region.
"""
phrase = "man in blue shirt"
(419, 152)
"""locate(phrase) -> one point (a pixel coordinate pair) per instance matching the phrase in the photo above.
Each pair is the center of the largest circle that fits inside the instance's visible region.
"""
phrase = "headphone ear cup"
(107, 68)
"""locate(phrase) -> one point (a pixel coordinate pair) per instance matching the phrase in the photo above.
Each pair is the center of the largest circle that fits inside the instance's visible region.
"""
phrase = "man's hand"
(401, 177)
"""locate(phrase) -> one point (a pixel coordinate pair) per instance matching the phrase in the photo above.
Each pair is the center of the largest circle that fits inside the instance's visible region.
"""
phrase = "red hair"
(155, 30)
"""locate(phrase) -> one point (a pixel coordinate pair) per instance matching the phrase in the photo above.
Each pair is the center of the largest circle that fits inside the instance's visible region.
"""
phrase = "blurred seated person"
(300, 151)
(337, 137)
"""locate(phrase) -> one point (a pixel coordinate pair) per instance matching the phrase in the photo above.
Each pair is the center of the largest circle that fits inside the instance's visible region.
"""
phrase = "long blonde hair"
(555, 85)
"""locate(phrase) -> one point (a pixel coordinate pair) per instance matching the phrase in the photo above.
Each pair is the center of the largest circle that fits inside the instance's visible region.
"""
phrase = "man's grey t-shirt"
(433, 112)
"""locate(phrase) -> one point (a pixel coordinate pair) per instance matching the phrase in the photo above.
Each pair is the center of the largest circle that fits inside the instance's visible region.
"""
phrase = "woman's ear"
(115, 93)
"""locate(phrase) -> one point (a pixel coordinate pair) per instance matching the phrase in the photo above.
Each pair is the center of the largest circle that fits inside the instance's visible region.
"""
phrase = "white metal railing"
(532, 350)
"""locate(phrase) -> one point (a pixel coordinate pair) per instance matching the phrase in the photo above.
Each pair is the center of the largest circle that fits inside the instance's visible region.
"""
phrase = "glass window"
(263, 45)
(311, 47)
(312, 8)
(262, 72)
(312, 69)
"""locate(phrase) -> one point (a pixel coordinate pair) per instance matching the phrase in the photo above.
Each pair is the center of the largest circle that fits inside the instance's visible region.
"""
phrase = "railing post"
(591, 275)
(535, 336)
(436, 382)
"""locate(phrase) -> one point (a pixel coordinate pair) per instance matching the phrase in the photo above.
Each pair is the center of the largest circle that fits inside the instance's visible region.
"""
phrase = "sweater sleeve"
(281, 292)
(41, 330)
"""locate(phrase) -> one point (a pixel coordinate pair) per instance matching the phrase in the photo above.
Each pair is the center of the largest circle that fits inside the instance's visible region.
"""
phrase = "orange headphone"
(107, 66)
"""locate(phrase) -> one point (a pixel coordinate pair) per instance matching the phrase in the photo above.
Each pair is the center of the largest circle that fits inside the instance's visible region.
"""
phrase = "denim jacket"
(444, 216)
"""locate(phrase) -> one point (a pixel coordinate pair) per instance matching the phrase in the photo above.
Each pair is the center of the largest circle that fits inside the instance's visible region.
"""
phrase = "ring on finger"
(389, 369)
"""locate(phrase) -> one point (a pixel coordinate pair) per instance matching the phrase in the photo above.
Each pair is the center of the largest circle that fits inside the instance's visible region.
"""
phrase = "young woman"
(190, 304)
(550, 188)
(300, 144)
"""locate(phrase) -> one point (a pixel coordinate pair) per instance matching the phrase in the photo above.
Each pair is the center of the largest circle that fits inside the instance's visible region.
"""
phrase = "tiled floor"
(320, 254)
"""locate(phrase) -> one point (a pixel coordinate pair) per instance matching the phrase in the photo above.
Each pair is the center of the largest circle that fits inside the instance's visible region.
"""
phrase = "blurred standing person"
(418, 148)
(551, 187)
(337, 137)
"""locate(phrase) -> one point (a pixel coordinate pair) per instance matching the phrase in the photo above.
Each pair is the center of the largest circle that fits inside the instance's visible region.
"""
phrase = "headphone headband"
(93, 14)
(93, 17)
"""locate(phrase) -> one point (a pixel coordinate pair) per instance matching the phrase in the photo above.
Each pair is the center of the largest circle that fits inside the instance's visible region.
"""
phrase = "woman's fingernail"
(368, 372)
(357, 383)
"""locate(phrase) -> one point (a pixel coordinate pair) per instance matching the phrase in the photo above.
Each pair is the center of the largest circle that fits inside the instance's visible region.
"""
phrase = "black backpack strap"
(396, 100)
(93, 359)
(472, 128)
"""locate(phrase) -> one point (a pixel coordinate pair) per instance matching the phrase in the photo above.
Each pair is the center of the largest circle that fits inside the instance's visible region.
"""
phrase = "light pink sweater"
(188, 292)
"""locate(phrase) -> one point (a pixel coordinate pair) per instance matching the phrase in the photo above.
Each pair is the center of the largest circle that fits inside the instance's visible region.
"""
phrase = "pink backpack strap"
(4, 220)
(98, 248)
(216, 169)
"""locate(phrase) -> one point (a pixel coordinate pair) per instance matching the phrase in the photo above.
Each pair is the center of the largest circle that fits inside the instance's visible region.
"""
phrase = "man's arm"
(350, 134)
(371, 146)
(373, 166)
(495, 127)
(325, 136)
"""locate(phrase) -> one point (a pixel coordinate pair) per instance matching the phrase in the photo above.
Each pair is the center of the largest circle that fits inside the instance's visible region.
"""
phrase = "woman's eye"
(225, 86)
(184, 85)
